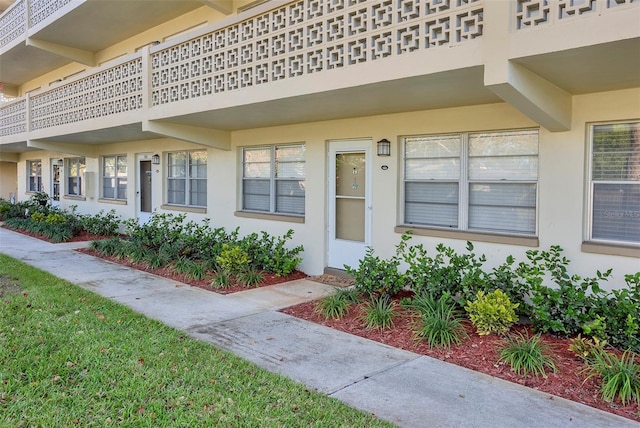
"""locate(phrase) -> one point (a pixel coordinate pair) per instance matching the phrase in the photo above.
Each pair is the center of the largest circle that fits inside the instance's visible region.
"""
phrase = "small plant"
(587, 349)
(221, 280)
(492, 312)
(527, 355)
(251, 278)
(378, 313)
(376, 277)
(440, 323)
(336, 305)
(233, 260)
(620, 376)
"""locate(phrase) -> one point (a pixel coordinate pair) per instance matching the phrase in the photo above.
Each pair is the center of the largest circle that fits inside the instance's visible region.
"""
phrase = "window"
(75, 169)
(474, 181)
(273, 179)
(187, 178)
(114, 177)
(34, 175)
(615, 182)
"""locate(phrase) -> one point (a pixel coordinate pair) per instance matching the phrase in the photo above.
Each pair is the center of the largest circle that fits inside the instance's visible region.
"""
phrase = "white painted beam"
(68, 148)
(537, 98)
(208, 137)
(78, 55)
(224, 6)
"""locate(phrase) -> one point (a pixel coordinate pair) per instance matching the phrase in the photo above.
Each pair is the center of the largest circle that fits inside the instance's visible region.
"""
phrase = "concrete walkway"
(404, 388)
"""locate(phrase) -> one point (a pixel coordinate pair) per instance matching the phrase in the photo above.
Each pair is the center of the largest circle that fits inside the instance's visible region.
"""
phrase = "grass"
(69, 357)
(620, 376)
(527, 355)
(440, 323)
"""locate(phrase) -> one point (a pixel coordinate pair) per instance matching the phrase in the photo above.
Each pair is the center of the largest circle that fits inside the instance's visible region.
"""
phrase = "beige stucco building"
(514, 124)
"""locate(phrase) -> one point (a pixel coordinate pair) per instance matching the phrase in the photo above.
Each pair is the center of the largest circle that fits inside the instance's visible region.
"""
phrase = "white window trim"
(463, 189)
(82, 183)
(115, 177)
(38, 182)
(187, 178)
(590, 244)
(272, 181)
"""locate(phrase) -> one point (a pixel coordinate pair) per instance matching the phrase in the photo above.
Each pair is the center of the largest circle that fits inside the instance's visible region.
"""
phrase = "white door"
(349, 202)
(144, 186)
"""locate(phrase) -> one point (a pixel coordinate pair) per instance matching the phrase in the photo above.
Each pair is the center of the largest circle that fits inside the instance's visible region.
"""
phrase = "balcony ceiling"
(597, 68)
(92, 26)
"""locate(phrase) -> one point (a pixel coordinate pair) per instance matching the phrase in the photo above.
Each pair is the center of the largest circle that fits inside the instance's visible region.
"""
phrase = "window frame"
(590, 188)
(187, 178)
(37, 177)
(272, 179)
(116, 178)
(80, 176)
(464, 184)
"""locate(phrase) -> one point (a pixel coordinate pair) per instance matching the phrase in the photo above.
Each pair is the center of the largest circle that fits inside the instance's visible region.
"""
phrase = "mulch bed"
(481, 353)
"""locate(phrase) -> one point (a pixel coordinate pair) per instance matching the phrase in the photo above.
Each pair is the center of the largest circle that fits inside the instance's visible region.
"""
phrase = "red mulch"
(267, 277)
(480, 353)
(83, 236)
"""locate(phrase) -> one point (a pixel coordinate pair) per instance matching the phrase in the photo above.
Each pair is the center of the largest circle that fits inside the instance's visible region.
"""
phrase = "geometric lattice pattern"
(532, 13)
(42, 9)
(13, 24)
(112, 91)
(306, 37)
(14, 118)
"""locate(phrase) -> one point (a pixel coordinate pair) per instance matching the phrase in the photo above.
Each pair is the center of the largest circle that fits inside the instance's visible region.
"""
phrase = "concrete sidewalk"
(404, 388)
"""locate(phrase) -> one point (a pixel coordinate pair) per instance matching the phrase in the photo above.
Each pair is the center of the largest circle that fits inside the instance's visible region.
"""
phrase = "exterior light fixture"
(155, 159)
(384, 147)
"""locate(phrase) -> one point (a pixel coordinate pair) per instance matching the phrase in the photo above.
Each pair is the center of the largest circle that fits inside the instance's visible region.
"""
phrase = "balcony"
(311, 60)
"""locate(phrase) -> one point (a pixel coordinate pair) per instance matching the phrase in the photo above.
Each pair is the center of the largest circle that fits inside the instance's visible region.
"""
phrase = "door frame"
(56, 163)
(336, 249)
(143, 216)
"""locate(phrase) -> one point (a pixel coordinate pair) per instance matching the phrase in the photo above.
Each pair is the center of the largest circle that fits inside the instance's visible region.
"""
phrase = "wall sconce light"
(155, 159)
(384, 147)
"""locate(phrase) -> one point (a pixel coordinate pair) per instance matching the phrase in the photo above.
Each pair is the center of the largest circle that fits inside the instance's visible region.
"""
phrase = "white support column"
(214, 138)
(537, 98)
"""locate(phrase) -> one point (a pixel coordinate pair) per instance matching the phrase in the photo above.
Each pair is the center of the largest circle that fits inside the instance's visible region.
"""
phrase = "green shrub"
(527, 355)
(376, 277)
(104, 224)
(620, 376)
(440, 322)
(492, 312)
(233, 260)
(586, 348)
(221, 280)
(378, 313)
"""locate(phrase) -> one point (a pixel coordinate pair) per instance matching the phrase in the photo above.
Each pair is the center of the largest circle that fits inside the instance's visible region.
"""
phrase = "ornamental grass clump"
(492, 312)
(440, 322)
(336, 305)
(527, 355)
(620, 376)
(379, 313)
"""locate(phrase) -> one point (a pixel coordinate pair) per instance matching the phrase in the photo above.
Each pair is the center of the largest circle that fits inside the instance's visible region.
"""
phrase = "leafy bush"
(105, 224)
(586, 348)
(377, 278)
(527, 355)
(233, 260)
(440, 322)
(378, 313)
(620, 376)
(459, 275)
(492, 312)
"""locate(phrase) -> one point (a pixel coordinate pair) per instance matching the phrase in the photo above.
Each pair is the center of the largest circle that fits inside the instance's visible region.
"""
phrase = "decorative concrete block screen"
(112, 91)
(306, 37)
(13, 24)
(14, 118)
(532, 13)
(42, 9)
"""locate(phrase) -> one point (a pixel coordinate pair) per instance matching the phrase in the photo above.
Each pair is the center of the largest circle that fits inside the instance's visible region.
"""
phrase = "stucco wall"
(8, 185)
(562, 178)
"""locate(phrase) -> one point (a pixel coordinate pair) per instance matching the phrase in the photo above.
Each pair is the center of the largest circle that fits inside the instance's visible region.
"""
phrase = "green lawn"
(71, 358)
